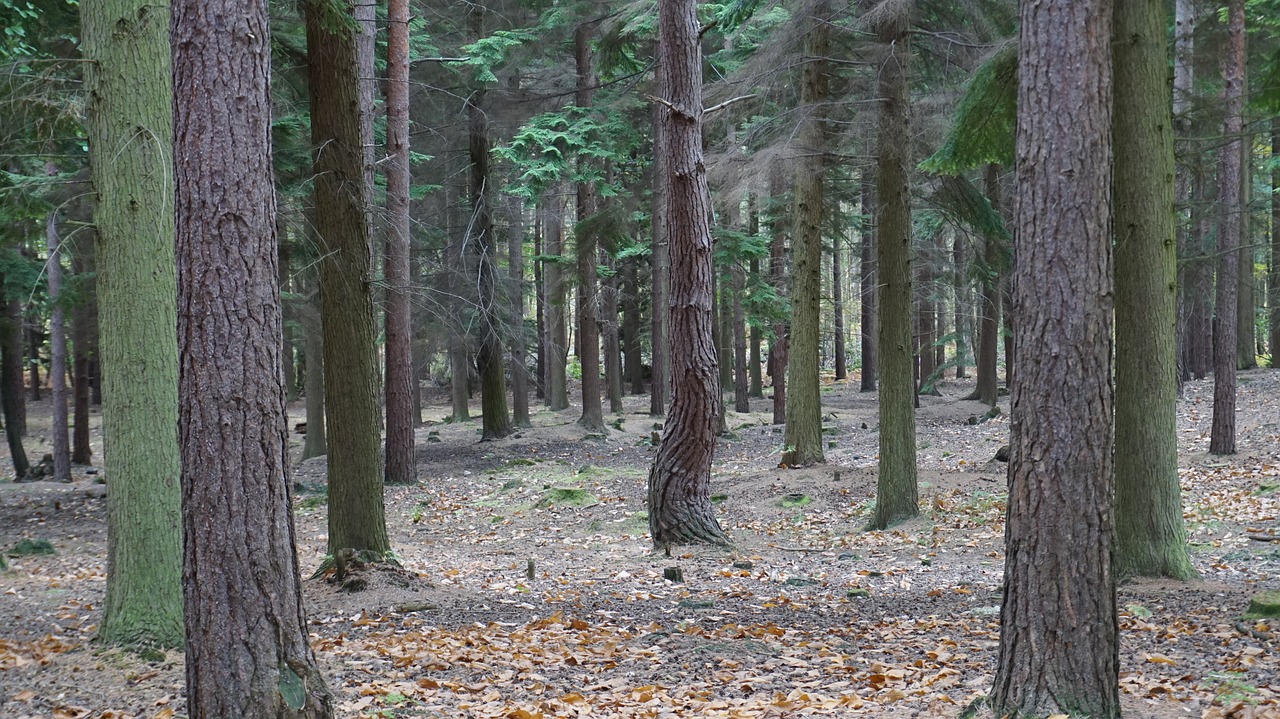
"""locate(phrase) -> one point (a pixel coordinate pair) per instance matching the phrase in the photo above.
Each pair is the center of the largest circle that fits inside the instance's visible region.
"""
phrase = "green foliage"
(31, 548)
(986, 119)
(545, 148)
(958, 199)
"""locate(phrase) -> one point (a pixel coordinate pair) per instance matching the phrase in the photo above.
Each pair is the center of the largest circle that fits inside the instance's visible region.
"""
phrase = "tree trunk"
(57, 357)
(778, 275)
(1151, 538)
(988, 391)
(837, 311)
(400, 380)
(82, 315)
(867, 282)
(634, 362)
(1200, 321)
(540, 305)
(1183, 93)
(34, 341)
(1273, 283)
(316, 443)
(519, 353)
(756, 388)
(1058, 635)
(610, 339)
(245, 626)
(896, 490)
(495, 422)
(338, 128)
(1246, 312)
(680, 508)
(741, 390)
(803, 435)
(130, 98)
(960, 296)
(592, 418)
(11, 400)
(553, 276)
(1222, 434)
(660, 384)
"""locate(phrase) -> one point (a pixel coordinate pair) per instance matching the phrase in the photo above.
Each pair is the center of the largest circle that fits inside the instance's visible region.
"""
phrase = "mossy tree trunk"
(896, 490)
(1151, 538)
(338, 129)
(803, 434)
(245, 626)
(679, 490)
(1058, 627)
(129, 115)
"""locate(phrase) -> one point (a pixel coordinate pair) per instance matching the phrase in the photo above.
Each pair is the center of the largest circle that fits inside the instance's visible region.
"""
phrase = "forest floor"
(805, 615)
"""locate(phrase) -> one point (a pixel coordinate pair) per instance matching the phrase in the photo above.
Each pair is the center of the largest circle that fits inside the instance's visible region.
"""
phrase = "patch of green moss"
(565, 497)
(794, 500)
(32, 547)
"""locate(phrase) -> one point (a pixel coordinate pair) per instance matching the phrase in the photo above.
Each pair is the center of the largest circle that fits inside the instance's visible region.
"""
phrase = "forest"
(519, 359)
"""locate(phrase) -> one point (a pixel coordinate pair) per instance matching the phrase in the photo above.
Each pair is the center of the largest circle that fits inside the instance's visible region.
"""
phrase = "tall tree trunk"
(1246, 312)
(34, 340)
(246, 629)
(867, 283)
(553, 276)
(610, 339)
(1183, 93)
(540, 304)
(679, 490)
(960, 295)
(519, 351)
(1273, 283)
(82, 342)
(803, 434)
(988, 391)
(778, 275)
(1200, 322)
(129, 124)
(634, 362)
(837, 311)
(756, 388)
(495, 421)
(57, 357)
(926, 321)
(588, 312)
(1222, 433)
(11, 399)
(400, 380)
(338, 128)
(1058, 635)
(741, 390)
(1151, 538)
(316, 443)
(660, 384)
(896, 490)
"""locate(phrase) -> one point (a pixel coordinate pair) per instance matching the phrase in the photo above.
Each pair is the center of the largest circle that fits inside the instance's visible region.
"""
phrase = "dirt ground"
(806, 615)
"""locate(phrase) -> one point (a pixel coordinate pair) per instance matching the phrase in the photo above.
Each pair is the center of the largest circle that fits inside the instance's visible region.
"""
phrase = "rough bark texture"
(1222, 433)
(553, 276)
(57, 357)
(989, 306)
(400, 380)
(1058, 640)
(803, 434)
(519, 352)
(1273, 282)
(741, 395)
(129, 116)
(12, 401)
(247, 643)
(1246, 310)
(1200, 280)
(660, 385)
(1151, 538)
(588, 312)
(338, 127)
(633, 362)
(756, 388)
(960, 296)
(896, 490)
(867, 283)
(680, 508)
(540, 305)
(495, 422)
(778, 276)
(82, 342)
(837, 311)
(1183, 92)
(316, 443)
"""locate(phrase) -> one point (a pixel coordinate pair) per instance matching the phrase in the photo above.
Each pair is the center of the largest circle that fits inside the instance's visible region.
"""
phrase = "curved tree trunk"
(1058, 635)
(245, 626)
(1222, 433)
(130, 131)
(1151, 538)
(896, 489)
(338, 130)
(680, 508)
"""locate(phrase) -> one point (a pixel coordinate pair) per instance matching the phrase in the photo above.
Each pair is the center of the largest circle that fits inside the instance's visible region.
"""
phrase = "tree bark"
(553, 276)
(1246, 313)
(338, 129)
(1151, 538)
(837, 312)
(1273, 283)
(896, 489)
(316, 443)
(57, 357)
(803, 434)
(867, 283)
(400, 380)
(778, 275)
(82, 326)
(1058, 640)
(519, 351)
(633, 362)
(741, 390)
(660, 384)
(592, 418)
(130, 129)
(960, 296)
(756, 388)
(245, 627)
(1222, 433)
(540, 305)
(988, 391)
(680, 509)
(1183, 93)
